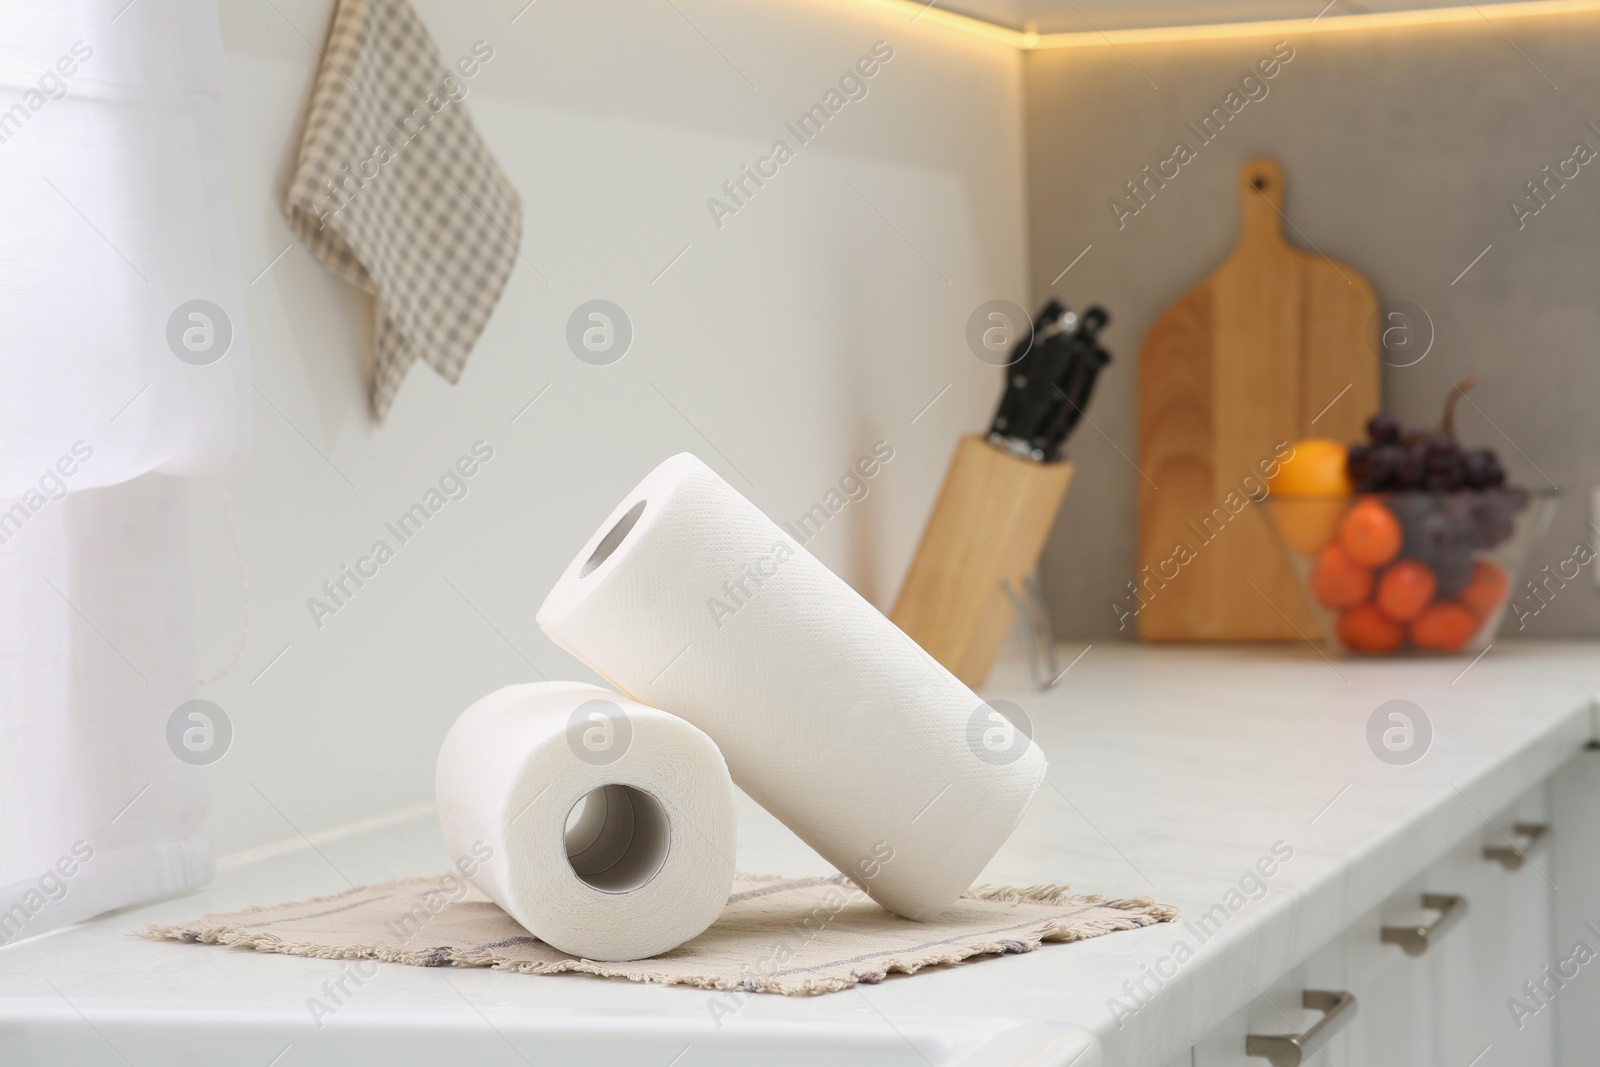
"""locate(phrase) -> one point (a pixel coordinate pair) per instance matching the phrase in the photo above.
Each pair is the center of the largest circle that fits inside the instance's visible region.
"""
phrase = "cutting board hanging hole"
(1261, 201)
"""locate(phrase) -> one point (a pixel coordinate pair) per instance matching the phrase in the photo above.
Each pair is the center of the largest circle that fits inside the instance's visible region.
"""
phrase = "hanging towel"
(395, 191)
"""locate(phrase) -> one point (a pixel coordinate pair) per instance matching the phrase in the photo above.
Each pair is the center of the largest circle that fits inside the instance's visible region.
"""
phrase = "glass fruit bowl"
(1410, 571)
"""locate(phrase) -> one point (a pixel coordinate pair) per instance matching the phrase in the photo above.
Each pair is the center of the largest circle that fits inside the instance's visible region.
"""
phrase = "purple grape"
(1460, 508)
(1442, 481)
(1494, 517)
(1433, 536)
(1418, 522)
(1412, 469)
(1486, 510)
(1475, 468)
(1450, 501)
(1410, 508)
(1385, 460)
(1358, 464)
(1441, 450)
(1383, 429)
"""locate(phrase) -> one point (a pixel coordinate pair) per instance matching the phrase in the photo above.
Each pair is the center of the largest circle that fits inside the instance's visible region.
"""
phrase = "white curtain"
(123, 368)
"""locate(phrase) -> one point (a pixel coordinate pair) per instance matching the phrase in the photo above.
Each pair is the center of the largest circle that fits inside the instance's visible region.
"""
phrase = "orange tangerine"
(1405, 589)
(1338, 581)
(1487, 589)
(1306, 523)
(1446, 626)
(1370, 533)
(1366, 629)
(1315, 467)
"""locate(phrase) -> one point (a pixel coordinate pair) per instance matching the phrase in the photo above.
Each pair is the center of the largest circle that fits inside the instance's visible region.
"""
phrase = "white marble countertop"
(1173, 770)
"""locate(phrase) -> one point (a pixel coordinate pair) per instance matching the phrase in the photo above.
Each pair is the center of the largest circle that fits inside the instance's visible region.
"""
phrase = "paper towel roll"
(690, 599)
(643, 866)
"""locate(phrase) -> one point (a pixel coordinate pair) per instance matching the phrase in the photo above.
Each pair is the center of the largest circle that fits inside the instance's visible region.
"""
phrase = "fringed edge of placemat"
(1139, 912)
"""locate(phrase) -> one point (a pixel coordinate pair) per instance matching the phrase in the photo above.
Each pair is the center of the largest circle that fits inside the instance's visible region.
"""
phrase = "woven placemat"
(778, 935)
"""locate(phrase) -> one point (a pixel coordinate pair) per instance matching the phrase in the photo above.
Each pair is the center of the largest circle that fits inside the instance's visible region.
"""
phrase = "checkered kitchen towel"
(778, 935)
(395, 191)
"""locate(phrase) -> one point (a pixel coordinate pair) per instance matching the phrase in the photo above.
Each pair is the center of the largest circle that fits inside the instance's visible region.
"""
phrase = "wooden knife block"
(988, 527)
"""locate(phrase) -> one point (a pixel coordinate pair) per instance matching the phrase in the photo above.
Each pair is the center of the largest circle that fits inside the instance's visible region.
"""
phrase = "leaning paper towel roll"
(690, 599)
(643, 866)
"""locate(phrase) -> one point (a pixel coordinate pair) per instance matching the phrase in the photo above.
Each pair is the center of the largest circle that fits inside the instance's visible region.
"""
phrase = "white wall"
(790, 340)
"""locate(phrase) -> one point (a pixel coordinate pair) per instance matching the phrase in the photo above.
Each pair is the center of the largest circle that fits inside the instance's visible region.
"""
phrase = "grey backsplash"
(1401, 152)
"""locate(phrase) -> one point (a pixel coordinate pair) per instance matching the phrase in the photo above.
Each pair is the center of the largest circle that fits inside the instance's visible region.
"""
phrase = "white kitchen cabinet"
(1449, 1004)
(1393, 1023)
(1279, 1010)
(1571, 859)
(1466, 966)
(1506, 939)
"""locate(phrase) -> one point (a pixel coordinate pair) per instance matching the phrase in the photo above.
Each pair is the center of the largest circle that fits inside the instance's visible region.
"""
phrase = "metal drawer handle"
(1288, 1050)
(1512, 857)
(1414, 940)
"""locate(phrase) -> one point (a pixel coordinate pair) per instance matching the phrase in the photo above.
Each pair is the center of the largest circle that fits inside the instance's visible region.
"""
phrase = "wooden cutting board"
(1242, 363)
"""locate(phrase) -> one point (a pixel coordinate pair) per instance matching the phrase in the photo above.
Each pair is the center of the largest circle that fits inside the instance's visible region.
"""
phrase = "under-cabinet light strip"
(930, 14)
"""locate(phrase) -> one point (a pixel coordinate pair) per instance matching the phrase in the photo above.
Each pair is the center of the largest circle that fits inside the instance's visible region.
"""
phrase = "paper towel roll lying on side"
(690, 599)
(648, 862)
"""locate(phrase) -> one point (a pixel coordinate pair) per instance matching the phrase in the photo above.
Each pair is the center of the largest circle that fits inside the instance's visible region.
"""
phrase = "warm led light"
(927, 14)
(921, 13)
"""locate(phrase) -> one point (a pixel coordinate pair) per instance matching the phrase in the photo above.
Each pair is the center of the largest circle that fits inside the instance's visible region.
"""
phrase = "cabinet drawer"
(1395, 1024)
(1505, 942)
(1448, 1005)
(1278, 1010)
(1573, 863)
(1433, 969)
